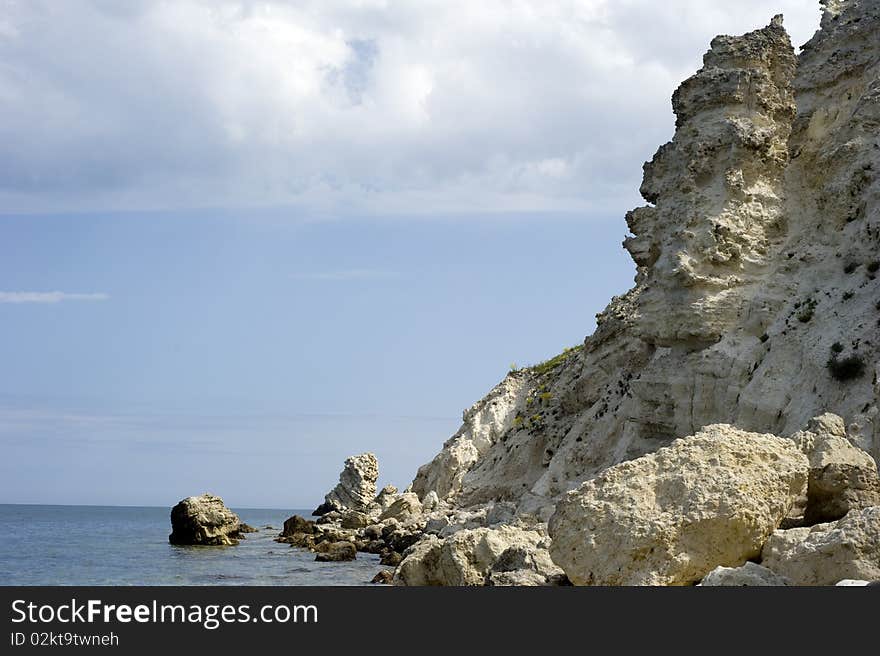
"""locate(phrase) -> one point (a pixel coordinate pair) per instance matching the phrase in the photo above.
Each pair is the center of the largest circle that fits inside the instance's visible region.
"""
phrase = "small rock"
(354, 519)
(749, 574)
(383, 577)
(336, 552)
(391, 558)
(406, 506)
(385, 498)
(373, 531)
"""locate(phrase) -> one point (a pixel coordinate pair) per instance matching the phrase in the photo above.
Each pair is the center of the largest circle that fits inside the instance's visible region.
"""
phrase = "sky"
(240, 241)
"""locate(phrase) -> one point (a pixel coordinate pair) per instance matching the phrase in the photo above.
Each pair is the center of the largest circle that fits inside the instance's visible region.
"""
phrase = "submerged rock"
(335, 552)
(671, 517)
(204, 520)
(406, 506)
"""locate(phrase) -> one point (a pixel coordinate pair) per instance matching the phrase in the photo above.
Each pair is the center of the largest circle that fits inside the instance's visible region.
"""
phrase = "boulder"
(335, 552)
(297, 524)
(204, 520)
(431, 502)
(842, 476)
(390, 558)
(827, 553)
(749, 574)
(385, 498)
(247, 528)
(471, 557)
(373, 532)
(405, 507)
(671, 517)
(354, 519)
(356, 488)
(383, 577)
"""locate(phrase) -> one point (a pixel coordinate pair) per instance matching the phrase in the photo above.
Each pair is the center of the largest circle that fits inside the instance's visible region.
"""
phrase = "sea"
(114, 545)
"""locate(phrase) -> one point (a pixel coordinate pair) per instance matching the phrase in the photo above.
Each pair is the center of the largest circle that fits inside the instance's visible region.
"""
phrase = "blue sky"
(241, 241)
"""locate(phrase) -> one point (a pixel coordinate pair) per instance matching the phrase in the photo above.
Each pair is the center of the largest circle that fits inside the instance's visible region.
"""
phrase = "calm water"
(101, 545)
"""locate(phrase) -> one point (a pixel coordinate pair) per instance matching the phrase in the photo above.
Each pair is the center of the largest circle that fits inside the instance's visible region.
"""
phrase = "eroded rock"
(356, 488)
(827, 553)
(204, 520)
(842, 476)
(472, 557)
(671, 517)
(750, 574)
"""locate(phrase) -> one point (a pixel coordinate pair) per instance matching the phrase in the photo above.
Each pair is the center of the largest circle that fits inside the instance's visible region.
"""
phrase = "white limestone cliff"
(756, 301)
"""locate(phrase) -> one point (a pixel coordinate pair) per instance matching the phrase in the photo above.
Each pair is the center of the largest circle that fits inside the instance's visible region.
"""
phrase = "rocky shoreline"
(722, 507)
(722, 425)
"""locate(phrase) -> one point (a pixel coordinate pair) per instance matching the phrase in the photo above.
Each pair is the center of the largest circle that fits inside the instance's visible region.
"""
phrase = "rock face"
(756, 287)
(827, 553)
(356, 488)
(842, 477)
(749, 575)
(671, 517)
(754, 311)
(204, 520)
(505, 555)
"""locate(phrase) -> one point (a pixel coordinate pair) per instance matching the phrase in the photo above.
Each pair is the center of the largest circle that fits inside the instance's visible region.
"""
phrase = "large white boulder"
(671, 517)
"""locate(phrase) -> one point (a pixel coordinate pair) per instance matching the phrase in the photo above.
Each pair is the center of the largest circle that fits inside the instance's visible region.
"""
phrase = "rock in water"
(297, 524)
(336, 552)
(383, 577)
(356, 488)
(749, 574)
(671, 517)
(842, 476)
(204, 520)
(827, 553)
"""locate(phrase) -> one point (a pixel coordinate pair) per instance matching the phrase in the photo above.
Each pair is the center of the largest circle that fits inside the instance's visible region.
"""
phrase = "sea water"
(111, 545)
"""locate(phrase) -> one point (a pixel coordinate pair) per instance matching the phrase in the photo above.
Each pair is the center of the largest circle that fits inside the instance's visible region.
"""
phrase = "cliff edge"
(756, 301)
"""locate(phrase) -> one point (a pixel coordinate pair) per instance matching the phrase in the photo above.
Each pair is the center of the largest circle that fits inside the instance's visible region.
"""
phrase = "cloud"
(346, 274)
(48, 297)
(363, 107)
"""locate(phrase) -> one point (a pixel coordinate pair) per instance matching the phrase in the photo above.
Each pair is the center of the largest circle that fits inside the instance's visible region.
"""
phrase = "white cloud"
(346, 274)
(359, 106)
(48, 297)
